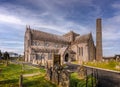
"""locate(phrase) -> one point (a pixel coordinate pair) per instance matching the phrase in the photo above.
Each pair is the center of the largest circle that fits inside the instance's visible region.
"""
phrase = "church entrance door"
(66, 57)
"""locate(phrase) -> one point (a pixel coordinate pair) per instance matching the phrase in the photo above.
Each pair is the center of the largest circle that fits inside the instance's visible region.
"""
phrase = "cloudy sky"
(59, 17)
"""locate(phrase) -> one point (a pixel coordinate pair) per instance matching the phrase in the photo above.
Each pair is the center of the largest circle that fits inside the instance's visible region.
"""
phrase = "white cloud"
(111, 35)
(108, 35)
(111, 29)
(11, 42)
(62, 26)
(17, 21)
(12, 46)
(116, 5)
(51, 5)
(10, 19)
(15, 50)
(49, 17)
(46, 19)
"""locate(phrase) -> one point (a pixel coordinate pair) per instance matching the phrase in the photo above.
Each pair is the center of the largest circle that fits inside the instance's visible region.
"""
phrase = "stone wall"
(84, 50)
(81, 51)
(40, 43)
(92, 51)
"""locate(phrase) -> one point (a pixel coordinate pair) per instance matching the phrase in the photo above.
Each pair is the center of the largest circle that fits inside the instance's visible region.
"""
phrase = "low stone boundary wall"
(105, 77)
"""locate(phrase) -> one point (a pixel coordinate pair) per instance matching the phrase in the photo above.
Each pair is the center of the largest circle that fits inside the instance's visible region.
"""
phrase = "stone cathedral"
(40, 46)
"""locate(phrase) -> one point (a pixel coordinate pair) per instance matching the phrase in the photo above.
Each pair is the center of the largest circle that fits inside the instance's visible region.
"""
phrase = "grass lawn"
(111, 65)
(37, 81)
(75, 62)
(9, 76)
(75, 81)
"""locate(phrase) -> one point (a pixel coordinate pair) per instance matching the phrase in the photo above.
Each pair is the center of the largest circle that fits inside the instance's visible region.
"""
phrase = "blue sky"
(59, 17)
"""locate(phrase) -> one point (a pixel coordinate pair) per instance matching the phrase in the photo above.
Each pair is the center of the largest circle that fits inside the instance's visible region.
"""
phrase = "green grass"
(37, 81)
(9, 76)
(111, 65)
(75, 81)
(10, 72)
(75, 62)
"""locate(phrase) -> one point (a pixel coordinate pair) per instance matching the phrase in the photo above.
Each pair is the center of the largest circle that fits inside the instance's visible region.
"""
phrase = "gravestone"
(52, 71)
(56, 59)
(64, 78)
(57, 74)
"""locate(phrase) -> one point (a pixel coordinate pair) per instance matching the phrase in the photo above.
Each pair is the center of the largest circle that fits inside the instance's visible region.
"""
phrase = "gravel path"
(29, 75)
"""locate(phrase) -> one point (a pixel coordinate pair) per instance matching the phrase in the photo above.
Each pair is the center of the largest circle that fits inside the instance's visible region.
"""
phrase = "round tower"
(98, 40)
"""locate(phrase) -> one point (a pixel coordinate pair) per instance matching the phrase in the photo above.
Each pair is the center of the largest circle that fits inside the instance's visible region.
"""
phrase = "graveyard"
(110, 65)
(36, 77)
(10, 75)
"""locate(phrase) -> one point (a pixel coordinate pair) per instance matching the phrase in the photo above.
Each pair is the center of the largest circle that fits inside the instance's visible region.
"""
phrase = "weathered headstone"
(81, 72)
(57, 74)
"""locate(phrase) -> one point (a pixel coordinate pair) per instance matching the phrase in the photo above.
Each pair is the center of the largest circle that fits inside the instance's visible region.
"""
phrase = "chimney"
(98, 40)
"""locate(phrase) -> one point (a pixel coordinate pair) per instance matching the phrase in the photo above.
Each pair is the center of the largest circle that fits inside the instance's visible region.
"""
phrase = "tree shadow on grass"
(39, 82)
(9, 83)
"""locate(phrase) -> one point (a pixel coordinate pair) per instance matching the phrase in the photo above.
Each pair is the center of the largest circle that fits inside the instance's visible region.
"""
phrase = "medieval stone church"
(39, 46)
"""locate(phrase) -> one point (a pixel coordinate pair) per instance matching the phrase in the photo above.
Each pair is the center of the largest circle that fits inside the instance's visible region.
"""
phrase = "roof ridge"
(70, 32)
(83, 38)
(45, 32)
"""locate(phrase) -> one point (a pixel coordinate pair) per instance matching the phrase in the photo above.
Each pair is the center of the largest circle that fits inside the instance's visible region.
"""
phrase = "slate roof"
(83, 38)
(40, 35)
(44, 36)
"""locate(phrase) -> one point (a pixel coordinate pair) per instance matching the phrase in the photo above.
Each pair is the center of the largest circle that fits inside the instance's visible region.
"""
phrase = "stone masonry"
(39, 46)
(98, 40)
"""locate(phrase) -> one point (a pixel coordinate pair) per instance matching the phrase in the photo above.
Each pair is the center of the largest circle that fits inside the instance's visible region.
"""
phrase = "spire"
(26, 27)
(29, 27)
